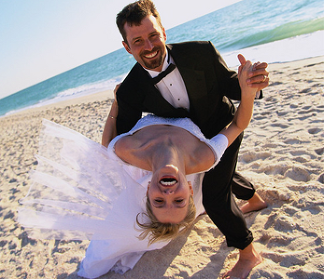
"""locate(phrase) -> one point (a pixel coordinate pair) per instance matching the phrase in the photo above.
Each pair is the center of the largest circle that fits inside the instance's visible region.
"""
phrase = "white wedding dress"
(82, 190)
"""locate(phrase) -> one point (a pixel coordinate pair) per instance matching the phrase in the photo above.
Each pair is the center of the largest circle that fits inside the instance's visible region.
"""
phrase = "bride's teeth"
(168, 183)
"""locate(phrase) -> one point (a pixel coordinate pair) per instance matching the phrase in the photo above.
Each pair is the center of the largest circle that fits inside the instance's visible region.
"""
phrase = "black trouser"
(219, 184)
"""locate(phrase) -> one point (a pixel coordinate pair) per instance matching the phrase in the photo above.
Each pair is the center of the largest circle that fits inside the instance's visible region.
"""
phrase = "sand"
(282, 154)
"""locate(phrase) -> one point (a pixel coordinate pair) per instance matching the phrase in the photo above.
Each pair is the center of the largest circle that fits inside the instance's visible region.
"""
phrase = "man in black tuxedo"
(200, 87)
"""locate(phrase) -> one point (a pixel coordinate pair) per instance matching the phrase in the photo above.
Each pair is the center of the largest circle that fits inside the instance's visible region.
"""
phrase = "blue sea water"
(267, 30)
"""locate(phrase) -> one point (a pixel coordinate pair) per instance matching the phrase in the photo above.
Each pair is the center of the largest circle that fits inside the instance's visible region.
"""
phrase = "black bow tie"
(161, 75)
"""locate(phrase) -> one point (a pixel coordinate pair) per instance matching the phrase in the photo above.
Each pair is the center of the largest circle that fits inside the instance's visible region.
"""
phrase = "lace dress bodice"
(217, 144)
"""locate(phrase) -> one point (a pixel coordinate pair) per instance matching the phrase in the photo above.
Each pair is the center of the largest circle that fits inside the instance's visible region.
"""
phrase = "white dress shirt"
(172, 87)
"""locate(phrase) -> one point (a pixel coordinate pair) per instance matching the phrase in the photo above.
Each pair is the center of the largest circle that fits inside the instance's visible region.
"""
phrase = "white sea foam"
(80, 91)
(292, 49)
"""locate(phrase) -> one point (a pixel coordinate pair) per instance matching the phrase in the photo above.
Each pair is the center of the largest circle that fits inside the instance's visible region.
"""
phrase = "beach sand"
(282, 154)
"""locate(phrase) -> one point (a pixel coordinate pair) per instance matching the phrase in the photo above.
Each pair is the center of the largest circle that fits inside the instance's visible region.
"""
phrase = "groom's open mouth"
(151, 55)
(168, 181)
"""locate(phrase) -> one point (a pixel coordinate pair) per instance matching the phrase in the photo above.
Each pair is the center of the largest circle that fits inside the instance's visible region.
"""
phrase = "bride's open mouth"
(168, 181)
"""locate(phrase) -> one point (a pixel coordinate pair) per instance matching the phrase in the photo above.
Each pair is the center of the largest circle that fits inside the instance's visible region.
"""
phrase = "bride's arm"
(242, 117)
(110, 130)
(244, 111)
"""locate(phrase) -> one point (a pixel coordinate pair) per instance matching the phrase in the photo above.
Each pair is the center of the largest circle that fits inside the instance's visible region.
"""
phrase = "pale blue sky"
(42, 38)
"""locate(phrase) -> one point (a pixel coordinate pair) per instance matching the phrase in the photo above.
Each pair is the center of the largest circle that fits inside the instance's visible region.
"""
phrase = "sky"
(42, 38)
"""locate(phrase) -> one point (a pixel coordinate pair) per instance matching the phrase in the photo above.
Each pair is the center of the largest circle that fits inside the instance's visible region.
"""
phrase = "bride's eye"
(179, 200)
(158, 200)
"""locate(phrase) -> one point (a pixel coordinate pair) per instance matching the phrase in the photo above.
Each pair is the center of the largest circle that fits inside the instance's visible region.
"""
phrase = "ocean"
(274, 31)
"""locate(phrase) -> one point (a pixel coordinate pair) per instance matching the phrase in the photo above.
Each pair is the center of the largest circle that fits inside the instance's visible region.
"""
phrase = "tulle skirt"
(73, 187)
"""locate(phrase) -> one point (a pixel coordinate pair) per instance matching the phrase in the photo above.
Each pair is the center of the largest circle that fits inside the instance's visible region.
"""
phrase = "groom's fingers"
(262, 65)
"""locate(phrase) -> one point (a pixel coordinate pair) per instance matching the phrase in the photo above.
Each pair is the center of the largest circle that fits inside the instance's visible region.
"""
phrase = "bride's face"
(169, 194)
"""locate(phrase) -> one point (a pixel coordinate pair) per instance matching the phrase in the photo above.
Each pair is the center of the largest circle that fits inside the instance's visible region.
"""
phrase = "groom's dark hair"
(134, 13)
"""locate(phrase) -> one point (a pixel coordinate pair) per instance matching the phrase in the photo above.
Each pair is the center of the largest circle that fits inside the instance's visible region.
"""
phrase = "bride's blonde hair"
(165, 231)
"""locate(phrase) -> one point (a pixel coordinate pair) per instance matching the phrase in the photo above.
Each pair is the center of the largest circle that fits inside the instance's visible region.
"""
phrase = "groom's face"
(146, 42)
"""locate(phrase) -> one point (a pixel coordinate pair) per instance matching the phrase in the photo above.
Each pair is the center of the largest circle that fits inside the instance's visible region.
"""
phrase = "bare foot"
(248, 259)
(254, 204)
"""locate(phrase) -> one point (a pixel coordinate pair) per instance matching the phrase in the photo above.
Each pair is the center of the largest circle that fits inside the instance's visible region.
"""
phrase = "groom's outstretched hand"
(259, 76)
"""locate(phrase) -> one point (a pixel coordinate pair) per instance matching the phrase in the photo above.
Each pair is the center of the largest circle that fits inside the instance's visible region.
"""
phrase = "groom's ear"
(127, 47)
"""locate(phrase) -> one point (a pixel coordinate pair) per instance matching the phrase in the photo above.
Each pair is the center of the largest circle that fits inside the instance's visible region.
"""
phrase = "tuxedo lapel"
(154, 102)
(195, 83)
(193, 79)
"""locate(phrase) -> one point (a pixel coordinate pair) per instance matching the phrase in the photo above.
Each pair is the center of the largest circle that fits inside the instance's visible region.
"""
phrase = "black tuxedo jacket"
(210, 86)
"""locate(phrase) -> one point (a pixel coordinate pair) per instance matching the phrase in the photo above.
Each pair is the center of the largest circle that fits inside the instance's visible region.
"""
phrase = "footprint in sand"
(319, 151)
(280, 240)
(275, 83)
(260, 117)
(314, 131)
(298, 152)
(316, 85)
(280, 125)
(273, 169)
(301, 159)
(284, 223)
(280, 223)
(292, 258)
(282, 113)
(249, 157)
(270, 145)
(305, 274)
(297, 174)
(306, 108)
(292, 141)
(294, 73)
(306, 90)
(313, 64)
